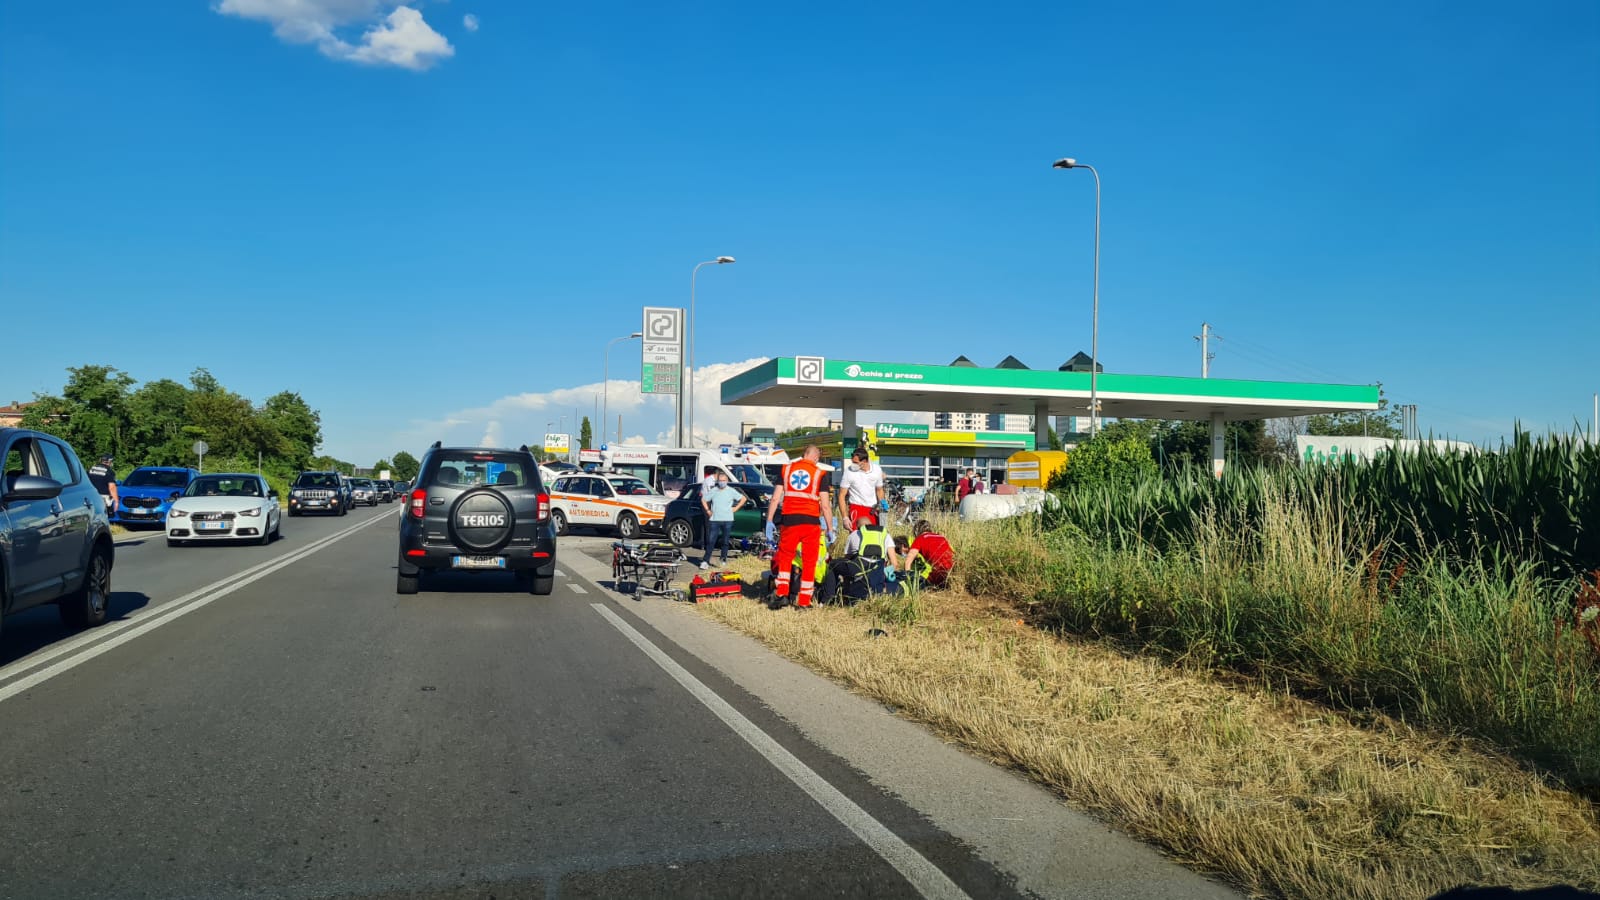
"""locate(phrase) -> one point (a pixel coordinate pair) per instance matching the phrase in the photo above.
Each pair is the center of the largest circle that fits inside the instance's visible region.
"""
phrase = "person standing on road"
(861, 491)
(802, 496)
(104, 479)
(720, 503)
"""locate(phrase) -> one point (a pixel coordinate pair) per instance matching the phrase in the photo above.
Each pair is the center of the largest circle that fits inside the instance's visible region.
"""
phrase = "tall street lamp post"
(1094, 335)
(605, 407)
(689, 380)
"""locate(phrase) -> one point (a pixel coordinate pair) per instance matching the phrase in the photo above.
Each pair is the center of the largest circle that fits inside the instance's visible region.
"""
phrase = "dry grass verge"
(1280, 796)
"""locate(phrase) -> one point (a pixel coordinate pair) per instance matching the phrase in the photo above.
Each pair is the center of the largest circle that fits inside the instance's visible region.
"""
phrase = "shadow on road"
(29, 632)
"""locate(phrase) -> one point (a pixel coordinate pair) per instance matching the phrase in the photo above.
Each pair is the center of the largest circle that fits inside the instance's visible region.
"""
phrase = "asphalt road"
(276, 721)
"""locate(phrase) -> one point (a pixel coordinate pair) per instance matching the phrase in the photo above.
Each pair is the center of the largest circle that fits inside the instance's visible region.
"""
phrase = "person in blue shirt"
(720, 501)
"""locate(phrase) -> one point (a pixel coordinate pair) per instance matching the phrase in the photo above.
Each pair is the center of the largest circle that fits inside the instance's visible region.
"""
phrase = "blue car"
(148, 491)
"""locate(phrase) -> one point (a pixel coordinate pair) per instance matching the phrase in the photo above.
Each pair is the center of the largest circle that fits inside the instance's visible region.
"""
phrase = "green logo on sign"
(892, 431)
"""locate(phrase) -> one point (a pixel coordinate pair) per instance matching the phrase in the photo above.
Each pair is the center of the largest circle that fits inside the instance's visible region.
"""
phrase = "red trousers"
(805, 538)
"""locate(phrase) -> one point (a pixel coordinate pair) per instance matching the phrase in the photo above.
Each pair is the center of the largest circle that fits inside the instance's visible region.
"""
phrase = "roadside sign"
(662, 350)
(200, 448)
(557, 443)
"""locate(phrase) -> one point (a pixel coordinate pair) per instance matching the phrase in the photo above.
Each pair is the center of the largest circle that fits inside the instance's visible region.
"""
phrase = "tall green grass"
(1444, 588)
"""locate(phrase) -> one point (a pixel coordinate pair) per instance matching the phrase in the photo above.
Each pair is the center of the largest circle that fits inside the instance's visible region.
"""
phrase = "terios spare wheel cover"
(482, 521)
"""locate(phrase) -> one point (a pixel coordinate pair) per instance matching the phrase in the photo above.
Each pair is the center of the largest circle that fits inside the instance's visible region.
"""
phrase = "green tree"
(586, 435)
(91, 414)
(1113, 458)
(406, 466)
(156, 422)
(1382, 422)
(382, 464)
(300, 426)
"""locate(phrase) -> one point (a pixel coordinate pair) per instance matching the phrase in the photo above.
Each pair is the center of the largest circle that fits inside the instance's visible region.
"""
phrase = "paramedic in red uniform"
(802, 496)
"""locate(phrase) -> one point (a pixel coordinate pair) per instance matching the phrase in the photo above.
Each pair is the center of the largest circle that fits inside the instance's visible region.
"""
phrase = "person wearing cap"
(104, 479)
(861, 491)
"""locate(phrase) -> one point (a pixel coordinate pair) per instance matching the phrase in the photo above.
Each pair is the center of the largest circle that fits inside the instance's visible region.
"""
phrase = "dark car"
(55, 534)
(147, 493)
(385, 490)
(686, 518)
(478, 510)
(319, 492)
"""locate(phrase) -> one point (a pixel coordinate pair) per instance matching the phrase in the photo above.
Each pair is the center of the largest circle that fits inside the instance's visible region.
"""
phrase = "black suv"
(319, 492)
(476, 509)
(55, 537)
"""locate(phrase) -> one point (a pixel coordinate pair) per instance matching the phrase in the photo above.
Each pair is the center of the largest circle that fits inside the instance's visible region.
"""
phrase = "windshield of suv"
(155, 478)
(223, 486)
(317, 480)
(483, 467)
(361, 483)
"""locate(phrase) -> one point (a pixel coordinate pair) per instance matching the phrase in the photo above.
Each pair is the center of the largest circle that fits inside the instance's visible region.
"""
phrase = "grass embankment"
(1199, 749)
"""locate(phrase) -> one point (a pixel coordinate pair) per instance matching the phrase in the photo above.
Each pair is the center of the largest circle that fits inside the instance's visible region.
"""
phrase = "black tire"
(544, 586)
(628, 526)
(266, 536)
(680, 533)
(293, 513)
(407, 584)
(87, 606)
(277, 530)
(560, 518)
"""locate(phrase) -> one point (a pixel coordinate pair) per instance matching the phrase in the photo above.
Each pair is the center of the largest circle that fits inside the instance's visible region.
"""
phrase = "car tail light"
(418, 498)
(416, 553)
(544, 507)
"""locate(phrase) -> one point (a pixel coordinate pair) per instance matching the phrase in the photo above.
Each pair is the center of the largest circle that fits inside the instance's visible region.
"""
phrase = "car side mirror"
(32, 487)
(273, 494)
(175, 495)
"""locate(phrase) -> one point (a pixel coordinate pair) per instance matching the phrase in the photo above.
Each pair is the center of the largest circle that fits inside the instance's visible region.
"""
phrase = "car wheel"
(344, 510)
(560, 518)
(680, 533)
(266, 536)
(407, 584)
(293, 513)
(628, 526)
(544, 586)
(86, 607)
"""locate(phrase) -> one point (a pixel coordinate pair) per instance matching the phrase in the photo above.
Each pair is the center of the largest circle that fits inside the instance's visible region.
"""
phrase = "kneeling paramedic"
(803, 500)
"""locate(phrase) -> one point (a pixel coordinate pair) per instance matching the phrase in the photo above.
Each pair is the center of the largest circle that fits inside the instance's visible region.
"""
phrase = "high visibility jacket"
(802, 488)
(873, 540)
(822, 558)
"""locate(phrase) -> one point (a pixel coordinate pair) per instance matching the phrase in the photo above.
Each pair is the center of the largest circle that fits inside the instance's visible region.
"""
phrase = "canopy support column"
(1041, 425)
(1218, 442)
(848, 434)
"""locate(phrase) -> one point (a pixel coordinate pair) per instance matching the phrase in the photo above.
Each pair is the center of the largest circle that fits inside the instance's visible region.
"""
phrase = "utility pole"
(1206, 356)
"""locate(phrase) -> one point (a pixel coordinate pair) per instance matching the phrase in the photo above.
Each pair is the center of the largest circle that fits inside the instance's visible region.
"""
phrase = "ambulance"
(614, 502)
(669, 469)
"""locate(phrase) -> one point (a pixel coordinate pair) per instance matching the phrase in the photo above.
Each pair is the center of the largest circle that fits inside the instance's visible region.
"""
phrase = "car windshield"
(361, 484)
(631, 487)
(317, 480)
(224, 486)
(156, 478)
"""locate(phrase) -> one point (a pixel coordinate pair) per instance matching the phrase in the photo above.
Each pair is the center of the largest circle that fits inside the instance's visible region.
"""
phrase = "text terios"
(483, 521)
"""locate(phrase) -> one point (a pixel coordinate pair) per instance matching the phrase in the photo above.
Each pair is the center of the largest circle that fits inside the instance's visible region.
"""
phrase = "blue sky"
(1404, 193)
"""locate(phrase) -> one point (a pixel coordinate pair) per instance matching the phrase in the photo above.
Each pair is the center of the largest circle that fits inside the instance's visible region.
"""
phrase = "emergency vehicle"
(614, 502)
(669, 469)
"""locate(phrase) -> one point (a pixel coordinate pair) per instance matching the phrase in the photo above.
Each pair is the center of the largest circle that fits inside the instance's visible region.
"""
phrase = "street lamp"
(605, 407)
(1094, 336)
(719, 261)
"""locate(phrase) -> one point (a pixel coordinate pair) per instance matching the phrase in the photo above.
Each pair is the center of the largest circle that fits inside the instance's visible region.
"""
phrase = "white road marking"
(578, 589)
(138, 625)
(560, 573)
(924, 876)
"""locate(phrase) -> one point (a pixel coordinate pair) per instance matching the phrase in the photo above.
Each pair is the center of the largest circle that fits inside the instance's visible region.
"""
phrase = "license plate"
(478, 562)
(211, 526)
(138, 512)
(316, 503)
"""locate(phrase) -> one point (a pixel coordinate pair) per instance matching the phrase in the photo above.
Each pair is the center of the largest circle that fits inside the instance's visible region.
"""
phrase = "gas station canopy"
(853, 385)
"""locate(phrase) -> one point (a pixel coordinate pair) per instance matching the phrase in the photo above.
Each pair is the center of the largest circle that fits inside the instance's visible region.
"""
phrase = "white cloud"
(400, 38)
(470, 22)
(520, 418)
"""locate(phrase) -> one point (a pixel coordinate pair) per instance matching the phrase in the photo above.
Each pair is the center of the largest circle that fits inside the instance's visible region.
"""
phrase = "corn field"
(1537, 502)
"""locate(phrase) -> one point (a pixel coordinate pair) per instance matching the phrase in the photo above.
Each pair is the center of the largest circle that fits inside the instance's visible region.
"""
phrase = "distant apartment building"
(1011, 422)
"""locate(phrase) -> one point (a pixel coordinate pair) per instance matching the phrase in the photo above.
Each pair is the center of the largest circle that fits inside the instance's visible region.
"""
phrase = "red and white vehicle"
(620, 503)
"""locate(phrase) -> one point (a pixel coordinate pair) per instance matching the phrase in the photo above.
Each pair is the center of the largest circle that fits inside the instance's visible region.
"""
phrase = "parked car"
(619, 503)
(477, 510)
(229, 506)
(686, 518)
(385, 490)
(55, 533)
(362, 490)
(147, 492)
(319, 492)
